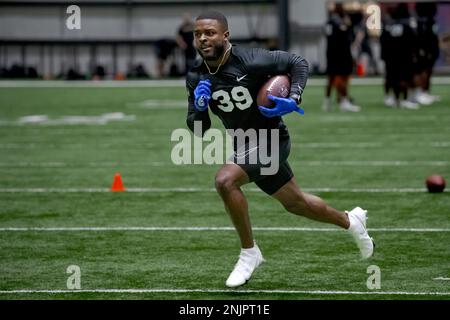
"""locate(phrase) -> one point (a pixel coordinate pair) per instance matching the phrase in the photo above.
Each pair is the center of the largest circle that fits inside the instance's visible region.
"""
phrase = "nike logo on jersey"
(245, 153)
(240, 78)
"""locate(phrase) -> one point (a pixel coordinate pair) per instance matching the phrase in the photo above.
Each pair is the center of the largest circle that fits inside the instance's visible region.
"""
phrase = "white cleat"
(249, 260)
(389, 101)
(424, 99)
(346, 105)
(358, 230)
(406, 104)
(430, 97)
(434, 98)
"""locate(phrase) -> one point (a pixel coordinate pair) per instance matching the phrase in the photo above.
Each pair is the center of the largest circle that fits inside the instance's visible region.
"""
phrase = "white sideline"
(309, 163)
(209, 190)
(312, 292)
(303, 145)
(282, 229)
(168, 83)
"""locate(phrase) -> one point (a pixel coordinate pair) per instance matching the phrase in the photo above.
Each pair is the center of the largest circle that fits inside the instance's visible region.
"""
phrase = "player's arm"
(193, 113)
(280, 62)
(266, 62)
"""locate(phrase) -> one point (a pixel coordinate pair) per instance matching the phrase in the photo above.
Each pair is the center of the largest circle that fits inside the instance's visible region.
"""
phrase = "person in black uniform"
(386, 52)
(226, 81)
(185, 40)
(398, 41)
(427, 51)
(340, 36)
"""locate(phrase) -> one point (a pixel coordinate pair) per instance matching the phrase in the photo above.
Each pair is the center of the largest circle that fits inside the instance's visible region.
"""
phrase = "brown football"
(435, 183)
(278, 86)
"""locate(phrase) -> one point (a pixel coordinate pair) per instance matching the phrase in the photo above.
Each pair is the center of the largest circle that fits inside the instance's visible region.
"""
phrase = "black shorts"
(269, 177)
(339, 64)
(397, 71)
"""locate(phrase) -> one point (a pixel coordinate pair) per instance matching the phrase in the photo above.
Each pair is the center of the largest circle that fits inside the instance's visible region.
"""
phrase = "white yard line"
(276, 291)
(366, 145)
(150, 229)
(333, 145)
(381, 163)
(78, 165)
(209, 190)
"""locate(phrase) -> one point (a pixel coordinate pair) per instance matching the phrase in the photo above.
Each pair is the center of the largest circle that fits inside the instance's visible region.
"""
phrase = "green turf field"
(55, 177)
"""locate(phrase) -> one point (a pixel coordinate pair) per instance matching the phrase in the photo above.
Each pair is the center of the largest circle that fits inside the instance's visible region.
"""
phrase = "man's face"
(210, 39)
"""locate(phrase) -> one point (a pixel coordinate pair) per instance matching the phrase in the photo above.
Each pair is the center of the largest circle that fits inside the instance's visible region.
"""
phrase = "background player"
(340, 36)
(227, 80)
(427, 51)
(185, 41)
(397, 41)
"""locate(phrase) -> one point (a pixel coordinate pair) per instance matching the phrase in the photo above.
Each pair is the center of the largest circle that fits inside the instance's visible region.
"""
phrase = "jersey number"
(240, 97)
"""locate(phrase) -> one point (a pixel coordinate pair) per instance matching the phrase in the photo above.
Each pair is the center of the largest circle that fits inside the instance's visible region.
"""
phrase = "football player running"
(226, 81)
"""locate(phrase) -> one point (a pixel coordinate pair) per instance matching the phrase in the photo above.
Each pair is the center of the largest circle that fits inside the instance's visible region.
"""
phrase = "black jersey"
(399, 40)
(427, 40)
(235, 87)
(340, 36)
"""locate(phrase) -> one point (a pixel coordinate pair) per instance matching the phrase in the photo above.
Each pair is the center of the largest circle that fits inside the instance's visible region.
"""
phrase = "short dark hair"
(214, 15)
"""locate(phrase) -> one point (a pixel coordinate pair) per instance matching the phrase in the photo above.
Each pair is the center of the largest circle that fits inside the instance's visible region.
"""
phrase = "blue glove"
(282, 106)
(202, 95)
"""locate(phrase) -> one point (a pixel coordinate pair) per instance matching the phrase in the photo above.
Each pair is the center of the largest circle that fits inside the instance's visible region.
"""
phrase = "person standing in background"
(340, 36)
(185, 40)
(386, 51)
(398, 52)
(427, 52)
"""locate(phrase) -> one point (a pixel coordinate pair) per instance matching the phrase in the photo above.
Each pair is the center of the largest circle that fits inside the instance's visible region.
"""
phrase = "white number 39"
(240, 97)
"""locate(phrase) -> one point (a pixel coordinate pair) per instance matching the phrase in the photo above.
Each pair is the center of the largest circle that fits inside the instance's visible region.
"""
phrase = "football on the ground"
(435, 183)
(278, 86)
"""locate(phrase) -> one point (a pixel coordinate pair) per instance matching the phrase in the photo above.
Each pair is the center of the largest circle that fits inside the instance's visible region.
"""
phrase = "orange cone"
(117, 185)
(360, 70)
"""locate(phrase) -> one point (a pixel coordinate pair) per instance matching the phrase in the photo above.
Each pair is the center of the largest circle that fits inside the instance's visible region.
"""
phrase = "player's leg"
(229, 180)
(406, 103)
(309, 206)
(345, 103)
(389, 99)
(396, 90)
(416, 93)
(329, 87)
(426, 82)
(400, 88)
(342, 87)
(326, 104)
(426, 76)
(312, 207)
